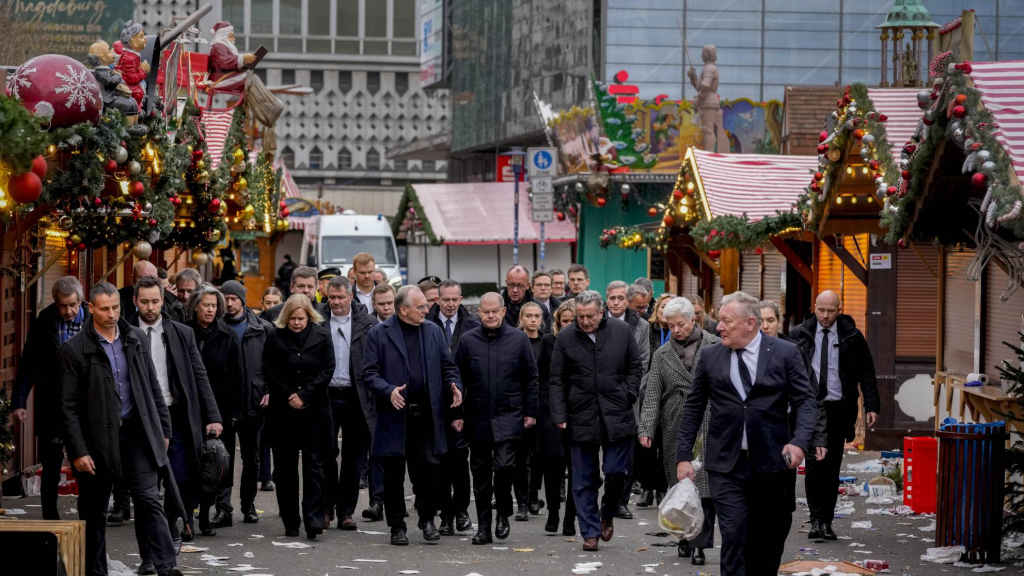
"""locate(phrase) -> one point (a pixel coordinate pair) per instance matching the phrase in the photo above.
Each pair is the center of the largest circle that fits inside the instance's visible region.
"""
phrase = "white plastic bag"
(943, 555)
(680, 513)
(30, 485)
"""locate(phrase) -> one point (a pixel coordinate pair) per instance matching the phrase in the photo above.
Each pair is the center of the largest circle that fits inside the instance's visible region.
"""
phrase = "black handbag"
(215, 465)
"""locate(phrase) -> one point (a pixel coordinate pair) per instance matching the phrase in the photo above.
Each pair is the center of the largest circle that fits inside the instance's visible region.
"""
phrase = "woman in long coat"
(667, 383)
(298, 363)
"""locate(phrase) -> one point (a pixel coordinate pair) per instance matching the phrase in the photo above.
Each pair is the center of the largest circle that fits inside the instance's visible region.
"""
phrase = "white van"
(336, 239)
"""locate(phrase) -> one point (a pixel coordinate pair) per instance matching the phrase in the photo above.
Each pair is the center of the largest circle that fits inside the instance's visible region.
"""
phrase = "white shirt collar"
(623, 317)
(454, 318)
(340, 318)
(755, 345)
(831, 329)
(157, 326)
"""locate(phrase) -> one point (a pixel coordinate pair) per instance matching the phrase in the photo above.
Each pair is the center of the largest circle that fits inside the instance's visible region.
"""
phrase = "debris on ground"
(943, 554)
(586, 567)
(821, 568)
(866, 525)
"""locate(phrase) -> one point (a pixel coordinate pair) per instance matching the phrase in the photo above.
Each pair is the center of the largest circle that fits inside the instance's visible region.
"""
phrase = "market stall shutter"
(774, 276)
(750, 274)
(54, 246)
(917, 297)
(716, 294)
(688, 283)
(958, 315)
(1002, 321)
(834, 275)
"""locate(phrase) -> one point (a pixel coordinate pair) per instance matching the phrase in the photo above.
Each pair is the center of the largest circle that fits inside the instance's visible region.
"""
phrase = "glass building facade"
(765, 45)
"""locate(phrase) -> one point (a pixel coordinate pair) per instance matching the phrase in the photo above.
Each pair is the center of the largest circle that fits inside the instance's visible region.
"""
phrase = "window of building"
(288, 157)
(318, 23)
(316, 158)
(234, 11)
(373, 159)
(348, 18)
(401, 165)
(290, 24)
(316, 80)
(403, 25)
(373, 82)
(375, 26)
(249, 258)
(344, 159)
(262, 74)
(429, 166)
(401, 83)
(344, 81)
(288, 76)
(262, 16)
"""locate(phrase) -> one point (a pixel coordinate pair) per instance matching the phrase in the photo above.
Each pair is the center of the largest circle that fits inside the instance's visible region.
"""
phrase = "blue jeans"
(586, 481)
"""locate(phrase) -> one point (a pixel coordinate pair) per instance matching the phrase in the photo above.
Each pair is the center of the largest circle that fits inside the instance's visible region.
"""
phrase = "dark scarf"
(687, 349)
(203, 334)
(297, 338)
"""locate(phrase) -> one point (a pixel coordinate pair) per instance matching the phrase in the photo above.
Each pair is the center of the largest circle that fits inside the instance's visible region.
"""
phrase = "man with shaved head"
(499, 376)
(172, 308)
(842, 363)
(518, 292)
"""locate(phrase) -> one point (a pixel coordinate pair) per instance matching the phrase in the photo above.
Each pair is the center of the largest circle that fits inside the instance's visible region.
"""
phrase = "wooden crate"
(70, 537)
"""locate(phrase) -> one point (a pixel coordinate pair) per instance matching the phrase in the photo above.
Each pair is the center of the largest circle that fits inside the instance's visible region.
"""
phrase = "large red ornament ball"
(560, 216)
(214, 205)
(601, 202)
(961, 98)
(758, 250)
(873, 164)
(815, 186)
(652, 212)
(110, 166)
(25, 188)
(858, 133)
(890, 190)
(669, 220)
(81, 246)
(959, 111)
(152, 222)
(677, 194)
(822, 148)
(903, 244)
(97, 201)
(39, 166)
(285, 213)
(59, 88)
(978, 180)
(714, 254)
(819, 176)
(905, 174)
(283, 204)
(823, 136)
(136, 189)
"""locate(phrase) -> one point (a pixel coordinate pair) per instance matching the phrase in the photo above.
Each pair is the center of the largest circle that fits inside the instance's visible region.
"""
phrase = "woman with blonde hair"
(271, 297)
(298, 363)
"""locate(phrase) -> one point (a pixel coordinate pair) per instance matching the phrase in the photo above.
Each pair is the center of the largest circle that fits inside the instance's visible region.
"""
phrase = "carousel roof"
(752, 184)
(900, 105)
(1002, 93)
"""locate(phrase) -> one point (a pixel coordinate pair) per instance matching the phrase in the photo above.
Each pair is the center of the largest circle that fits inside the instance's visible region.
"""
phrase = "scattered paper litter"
(856, 545)
(902, 510)
(878, 511)
(586, 567)
(522, 549)
(642, 523)
(216, 563)
(242, 568)
(347, 567)
(845, 537)
(371, 532)
(17, 512)
(865, 525)
(369, 560)
(256, 536)
(863, 552)
(844, 508)
(649, 570)
(473, 574)
(499, 547)
(248, 555)
(987, 568)
(291, 544)
(929, 528)
(190, 549)
(73, 511)
(408, 571)
(206, 557)
(943, 555)
(234, 544)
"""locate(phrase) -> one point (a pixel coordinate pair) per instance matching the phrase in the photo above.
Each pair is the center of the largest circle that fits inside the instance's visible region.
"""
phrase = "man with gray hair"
(172, 308)
(648, 302)
(54, 326)
(595, 380)
(186, 282)
(750, 380)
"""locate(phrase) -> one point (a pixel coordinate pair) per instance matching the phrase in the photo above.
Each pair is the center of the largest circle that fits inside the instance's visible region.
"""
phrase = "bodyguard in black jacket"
(454, 484)
(516, 293)
(595, 379)
(55, 325)
(499, 375)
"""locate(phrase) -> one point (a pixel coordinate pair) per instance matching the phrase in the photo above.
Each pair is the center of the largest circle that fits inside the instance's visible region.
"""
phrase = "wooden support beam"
(851, 262)
(729, 267)
(707, 260)
(793, 258)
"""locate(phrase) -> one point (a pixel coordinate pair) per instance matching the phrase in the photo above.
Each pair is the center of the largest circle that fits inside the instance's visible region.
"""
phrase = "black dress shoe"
(118, 517)
(291, 533)
(683, 549)
(206, 529)
(698, 557)
(827, 532)
(146, 567)
(522, 515)
(267, 486)
(815, 531)
(399, 537)
(482, 537)
(249, 515)
(221, 519)
(551, 526)
(623, 513)
(569, 529)
(173, 572)
(363, 483)
(312, 534)
(447, 526)
(374, 512)
(535, 506)
(636, 488)
(501, 528)
(187, 536)
(646, 499)
(430, 532)
(462, 522)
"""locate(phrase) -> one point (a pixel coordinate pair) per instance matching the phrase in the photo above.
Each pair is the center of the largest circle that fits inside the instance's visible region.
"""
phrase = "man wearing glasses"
(516, 293)
(410, 370)
(701, 317)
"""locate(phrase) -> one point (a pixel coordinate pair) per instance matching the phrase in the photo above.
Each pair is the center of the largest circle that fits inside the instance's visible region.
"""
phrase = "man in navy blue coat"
(410, 370)
(750, 380)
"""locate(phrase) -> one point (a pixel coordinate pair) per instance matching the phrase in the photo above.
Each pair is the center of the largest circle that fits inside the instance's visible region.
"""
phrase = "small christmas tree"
(1014, 520)
(200, 223)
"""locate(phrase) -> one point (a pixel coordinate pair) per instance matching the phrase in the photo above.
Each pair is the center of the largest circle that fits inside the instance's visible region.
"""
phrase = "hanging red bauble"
(882, 117)
(197, 155)
(890, 190)
(822, 148)
(961, 98)
(70, 244)
(560, 216)
(714, 254)
(110, 166)
(903, 244)
(97, 201)
(39, 166)
(815, 187)
(959, 111)
(601, 202)
(713, 233)
(819, 176)
(847, 99)
(823, 136)
(873, 164)
(978, 180)
(136, 189)
(652, 212)
(214, 205)
(283, 204)
(758, 250)
(59, 88)
(285, 213)
(612, 232)
(677, 194)
(25, 188)
(81, 246)
(905, 174)
(858, 133)
(669, 220)
(152, 222)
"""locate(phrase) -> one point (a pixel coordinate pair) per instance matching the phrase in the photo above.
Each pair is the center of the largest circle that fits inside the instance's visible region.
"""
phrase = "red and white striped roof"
(216, 124)
(900, 105)
(758, 185)
(1002, 93)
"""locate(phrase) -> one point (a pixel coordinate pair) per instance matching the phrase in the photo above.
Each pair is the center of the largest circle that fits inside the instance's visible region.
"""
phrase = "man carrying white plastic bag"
(680, 513)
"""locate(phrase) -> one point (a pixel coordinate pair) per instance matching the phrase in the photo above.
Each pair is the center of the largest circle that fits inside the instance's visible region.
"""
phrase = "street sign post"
(542, 162)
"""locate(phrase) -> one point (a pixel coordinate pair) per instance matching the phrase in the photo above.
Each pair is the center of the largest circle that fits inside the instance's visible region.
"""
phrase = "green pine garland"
(410, 205)
(1014, 521)
(21, 140)
(739, 232)
(632, 238)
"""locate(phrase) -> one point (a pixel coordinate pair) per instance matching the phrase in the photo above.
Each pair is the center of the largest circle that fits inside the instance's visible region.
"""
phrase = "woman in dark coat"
(554, 442)
(222, 358)
(298, 362)
(529, 475)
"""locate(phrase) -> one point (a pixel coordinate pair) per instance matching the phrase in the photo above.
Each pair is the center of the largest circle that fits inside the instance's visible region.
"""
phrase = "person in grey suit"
(750, 381)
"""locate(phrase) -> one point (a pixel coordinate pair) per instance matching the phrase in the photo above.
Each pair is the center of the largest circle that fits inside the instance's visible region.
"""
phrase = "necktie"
(448, 333)
(823, 363)
(744, 373)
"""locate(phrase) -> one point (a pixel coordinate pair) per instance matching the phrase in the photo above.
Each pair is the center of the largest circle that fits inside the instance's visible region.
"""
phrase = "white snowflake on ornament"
(77, 87)
(19, 81)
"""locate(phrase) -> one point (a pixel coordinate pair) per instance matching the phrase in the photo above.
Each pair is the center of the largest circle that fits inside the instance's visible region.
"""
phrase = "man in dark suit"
(842, 364)
(453, 495)
(352, 410)
(303, 282)
(409, 368)
(115, 425)
(172, 308)
(540, 283)
(516, 293)
(54, 326)
(750, 381)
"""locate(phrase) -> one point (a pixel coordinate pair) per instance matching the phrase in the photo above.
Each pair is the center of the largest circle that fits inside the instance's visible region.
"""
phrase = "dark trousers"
(553, 468)
(586, 481)
(181, 454)
(266, 475)
(493, 465)
(706, 538)
(822, 480)
(139, 476)
(526, 481)
(286, 479)
(746, 514)
(454, 486)
(249, 432)
(782, 534)
(51, 456)
(424, 470)
(343, 482)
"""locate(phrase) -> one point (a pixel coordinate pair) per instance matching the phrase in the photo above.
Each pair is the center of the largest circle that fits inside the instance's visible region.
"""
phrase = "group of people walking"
(549, 385)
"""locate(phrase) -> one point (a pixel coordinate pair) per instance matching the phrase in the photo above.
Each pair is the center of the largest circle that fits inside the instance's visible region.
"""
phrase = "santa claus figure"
(227, 65)
(132, 68)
